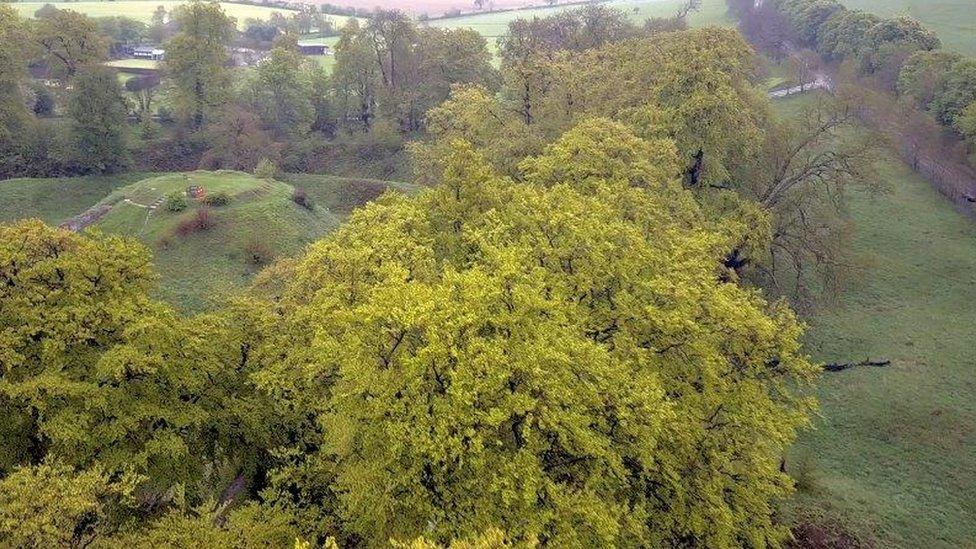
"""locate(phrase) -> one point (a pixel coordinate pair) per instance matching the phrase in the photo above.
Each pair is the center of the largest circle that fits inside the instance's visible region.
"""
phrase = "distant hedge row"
(901, 52)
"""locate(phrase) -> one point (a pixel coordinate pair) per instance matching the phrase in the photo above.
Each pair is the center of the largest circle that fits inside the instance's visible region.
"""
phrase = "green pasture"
(142, 10)
(892, 452)
(139, 64)
(494, 25)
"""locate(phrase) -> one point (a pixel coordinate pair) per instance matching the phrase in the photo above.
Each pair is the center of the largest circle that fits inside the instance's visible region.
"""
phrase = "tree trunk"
(695, 171)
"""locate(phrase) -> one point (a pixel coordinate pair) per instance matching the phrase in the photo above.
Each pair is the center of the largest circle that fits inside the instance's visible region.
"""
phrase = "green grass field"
(55, 200)
(893, 450)
(142, 10)
(200, 269)
(494, 25)
(953, 20)
(141, 64)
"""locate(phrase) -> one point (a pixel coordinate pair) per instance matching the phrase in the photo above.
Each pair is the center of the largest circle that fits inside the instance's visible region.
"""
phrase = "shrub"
(176, 202)
(266, 169)
(43, 100)
(200, 221)
(258, 252)
(300, 196)
(217, 199)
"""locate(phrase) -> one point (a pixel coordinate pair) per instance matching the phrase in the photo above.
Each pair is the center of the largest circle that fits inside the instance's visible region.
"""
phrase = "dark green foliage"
(176, 202)
(43, 100)
(217, 199)
(98, 126)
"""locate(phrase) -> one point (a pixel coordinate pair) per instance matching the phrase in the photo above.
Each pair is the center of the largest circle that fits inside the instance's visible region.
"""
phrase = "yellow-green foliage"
(556, 359)
(690, 87)
(559, 359)
(51, 505)
(211, 526)
(95, 372)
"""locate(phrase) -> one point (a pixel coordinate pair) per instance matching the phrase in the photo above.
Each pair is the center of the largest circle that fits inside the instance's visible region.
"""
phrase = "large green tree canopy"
(557, 358)
(560, 358)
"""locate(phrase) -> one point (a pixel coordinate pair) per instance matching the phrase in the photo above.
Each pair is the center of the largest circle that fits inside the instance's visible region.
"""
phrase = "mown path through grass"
(895, 448)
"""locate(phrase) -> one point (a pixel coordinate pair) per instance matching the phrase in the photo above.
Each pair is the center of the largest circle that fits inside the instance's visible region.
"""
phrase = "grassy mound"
(205, 252)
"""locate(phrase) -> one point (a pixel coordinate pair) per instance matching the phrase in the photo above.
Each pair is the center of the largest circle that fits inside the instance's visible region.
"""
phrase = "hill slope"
(202, 263)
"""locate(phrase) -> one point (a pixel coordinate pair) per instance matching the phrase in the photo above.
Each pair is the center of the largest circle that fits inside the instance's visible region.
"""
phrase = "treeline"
(388, 73)
(205, 113)
(899, 53)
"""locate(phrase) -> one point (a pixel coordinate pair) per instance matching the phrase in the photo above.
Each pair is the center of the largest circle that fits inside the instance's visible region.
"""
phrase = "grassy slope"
(341, 195)
(953, 20)
(55, 200)
(894, 447)
(201, 269)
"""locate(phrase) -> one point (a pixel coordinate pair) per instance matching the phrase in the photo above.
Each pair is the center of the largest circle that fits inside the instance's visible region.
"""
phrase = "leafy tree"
(261, 31)
(70, 40)
(160, 25)
(52, 505)
(13, 73)
(527, 356)
(473, 114)
(196, 61)
(966, 124)
(237, 141)
(97, 110)
(696, 88)
(958, 91)
(891, 42)
(448, 57)
(123, 32)
(355, 75)
(797, 191)
(844, 34)
(923, 76)
(808, 16)
(99, 375)
(281, 91)
(212, 526)
(45, 11)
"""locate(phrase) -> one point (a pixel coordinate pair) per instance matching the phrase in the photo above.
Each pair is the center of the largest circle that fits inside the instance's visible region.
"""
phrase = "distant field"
(893, 448)
(133, 64)
(143, 9)
(953, 20)
(418, 7)
(494, 25)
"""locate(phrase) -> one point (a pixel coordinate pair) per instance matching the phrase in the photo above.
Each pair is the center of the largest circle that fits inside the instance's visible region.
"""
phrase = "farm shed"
(306, 48)
(148, 52)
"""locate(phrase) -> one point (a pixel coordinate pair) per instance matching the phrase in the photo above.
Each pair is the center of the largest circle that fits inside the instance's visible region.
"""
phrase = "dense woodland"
(580, 333)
